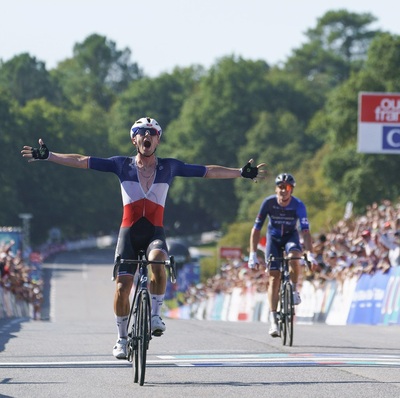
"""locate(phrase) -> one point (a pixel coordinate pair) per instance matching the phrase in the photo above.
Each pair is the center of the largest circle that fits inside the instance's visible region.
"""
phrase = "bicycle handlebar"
(285, 258)
(170, 263)
(144, 262)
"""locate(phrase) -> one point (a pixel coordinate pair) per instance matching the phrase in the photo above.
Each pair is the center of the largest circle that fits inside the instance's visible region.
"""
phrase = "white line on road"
(234, 360)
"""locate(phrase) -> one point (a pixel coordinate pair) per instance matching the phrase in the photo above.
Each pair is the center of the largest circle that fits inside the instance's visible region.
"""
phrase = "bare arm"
(254, 239)
(307, 240)
(69, 160)
(222, 172)
(214, 171)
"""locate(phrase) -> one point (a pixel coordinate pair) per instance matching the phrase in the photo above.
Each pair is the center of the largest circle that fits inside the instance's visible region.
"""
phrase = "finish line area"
(232, 360)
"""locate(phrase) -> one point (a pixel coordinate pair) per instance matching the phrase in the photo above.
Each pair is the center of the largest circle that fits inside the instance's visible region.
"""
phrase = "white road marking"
(336, 360)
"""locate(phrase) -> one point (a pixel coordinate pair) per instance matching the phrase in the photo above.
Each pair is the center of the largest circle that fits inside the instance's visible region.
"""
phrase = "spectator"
(16, 278)
(394, 251)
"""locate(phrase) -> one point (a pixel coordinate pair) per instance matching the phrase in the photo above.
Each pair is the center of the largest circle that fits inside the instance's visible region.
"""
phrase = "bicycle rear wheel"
(289, 312)
(143, 335)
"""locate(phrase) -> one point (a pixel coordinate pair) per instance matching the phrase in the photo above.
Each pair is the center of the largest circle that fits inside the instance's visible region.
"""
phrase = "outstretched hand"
(248, 171)
(32, 154)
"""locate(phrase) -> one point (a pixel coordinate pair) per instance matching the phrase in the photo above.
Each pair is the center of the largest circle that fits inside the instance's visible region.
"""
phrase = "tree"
(161, 98)
(96, 73)
(76, 201)
(210, 129)
(362, 178)
(336, 46)
(10, 165)
(383, 61)
(26, 79)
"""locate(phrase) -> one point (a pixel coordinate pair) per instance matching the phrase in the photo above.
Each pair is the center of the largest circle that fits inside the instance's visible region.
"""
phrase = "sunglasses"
(143, 131)
(286, 187)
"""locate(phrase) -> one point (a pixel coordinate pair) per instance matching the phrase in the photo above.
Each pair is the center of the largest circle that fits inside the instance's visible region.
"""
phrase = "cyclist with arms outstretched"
(145, 180)
(284, 213)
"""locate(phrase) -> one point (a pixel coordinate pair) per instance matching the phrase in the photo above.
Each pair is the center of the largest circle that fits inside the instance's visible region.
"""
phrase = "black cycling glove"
(41, 153)
(248, 171)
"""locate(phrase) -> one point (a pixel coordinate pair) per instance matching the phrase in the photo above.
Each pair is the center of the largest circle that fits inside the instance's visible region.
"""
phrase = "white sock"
(272, 317)
(156, 303)
(122, 326)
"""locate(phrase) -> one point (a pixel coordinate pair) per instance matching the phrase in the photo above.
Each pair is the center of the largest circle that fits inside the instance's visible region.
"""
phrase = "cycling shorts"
(141, 236)
(276, 245)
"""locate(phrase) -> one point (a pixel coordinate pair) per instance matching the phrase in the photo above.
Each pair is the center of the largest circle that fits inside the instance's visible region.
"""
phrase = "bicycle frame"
(286, 307)
(139, 320)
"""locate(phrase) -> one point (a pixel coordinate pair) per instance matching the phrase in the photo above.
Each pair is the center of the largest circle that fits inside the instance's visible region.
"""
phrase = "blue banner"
(391, 301)
(366, 306)
(187, 276)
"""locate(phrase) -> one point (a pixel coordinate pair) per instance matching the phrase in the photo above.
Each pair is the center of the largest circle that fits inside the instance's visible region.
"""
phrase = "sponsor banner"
(235, 304)
(367, 300)
(261, 307)
(390, 311)
(230, 252)
(379, 123)
(216, 310)
(187, 276)
(305, 311)
(327, 300)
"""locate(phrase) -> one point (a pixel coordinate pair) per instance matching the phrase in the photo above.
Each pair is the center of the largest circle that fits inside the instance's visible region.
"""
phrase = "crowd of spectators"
(22, 280)
(353, 246)
(364, 244)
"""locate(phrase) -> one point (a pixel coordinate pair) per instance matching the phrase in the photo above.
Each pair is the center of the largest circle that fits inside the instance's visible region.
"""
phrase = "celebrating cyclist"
(145, 180)
(284, 212)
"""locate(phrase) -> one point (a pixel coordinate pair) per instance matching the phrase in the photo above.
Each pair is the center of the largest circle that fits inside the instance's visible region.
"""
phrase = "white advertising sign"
(379, 123)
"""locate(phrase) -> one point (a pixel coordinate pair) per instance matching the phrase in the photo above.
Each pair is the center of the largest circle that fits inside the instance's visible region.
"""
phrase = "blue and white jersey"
(282, 220)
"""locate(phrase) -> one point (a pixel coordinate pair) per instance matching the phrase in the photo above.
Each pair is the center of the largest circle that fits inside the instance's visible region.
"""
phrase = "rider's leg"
(123, 288)
(273, 299)
(274, 277)
(158, 279)
(273, 289)
(294, 268)
(158, 284)
(121, 309)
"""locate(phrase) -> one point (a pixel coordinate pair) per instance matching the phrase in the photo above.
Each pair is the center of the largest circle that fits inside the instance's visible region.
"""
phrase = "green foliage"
(300, 117)
(208, 267)
(161, 98)
(97, 72)
(383, 61)
(26, 79)
(238, 235)
(337, 46)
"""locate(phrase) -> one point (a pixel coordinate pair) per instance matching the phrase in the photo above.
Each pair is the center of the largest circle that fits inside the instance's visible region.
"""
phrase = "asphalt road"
(70, 353)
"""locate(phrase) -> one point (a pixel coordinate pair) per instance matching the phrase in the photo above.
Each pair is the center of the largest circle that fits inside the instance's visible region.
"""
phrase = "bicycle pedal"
(157, 333)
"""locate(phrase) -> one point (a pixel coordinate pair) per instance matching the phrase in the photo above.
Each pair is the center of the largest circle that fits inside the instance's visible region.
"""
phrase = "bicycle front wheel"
(282, 315)
(143, 330)
(289, 312)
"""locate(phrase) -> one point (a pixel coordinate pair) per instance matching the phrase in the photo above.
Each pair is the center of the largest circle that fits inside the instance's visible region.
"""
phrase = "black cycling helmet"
(285, 178)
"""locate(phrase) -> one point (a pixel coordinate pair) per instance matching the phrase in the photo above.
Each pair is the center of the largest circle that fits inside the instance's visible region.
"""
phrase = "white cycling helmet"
(146, 123)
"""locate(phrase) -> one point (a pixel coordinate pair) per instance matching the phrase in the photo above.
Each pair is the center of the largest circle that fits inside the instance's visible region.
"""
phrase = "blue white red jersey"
(282, 220)
(138, 203)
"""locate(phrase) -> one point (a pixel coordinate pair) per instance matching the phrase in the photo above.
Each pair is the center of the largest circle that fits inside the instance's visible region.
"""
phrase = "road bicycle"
(139, 321)
(286, 307)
